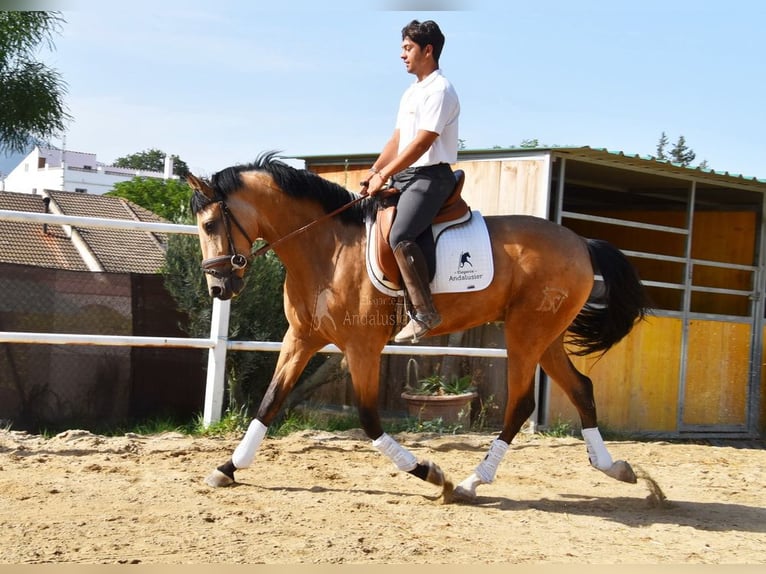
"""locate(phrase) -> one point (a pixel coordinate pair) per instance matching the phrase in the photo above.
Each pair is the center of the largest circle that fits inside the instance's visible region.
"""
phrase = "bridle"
(233, 259)
(237, 260)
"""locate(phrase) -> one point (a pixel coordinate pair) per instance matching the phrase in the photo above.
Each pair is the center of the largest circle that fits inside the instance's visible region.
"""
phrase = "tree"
(31, 94)
(153, 160)
(257, 314)
(167, 198)
(661, 145)
(681, 153)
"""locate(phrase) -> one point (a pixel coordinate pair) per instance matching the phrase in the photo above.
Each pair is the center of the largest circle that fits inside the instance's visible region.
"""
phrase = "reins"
(309, 225)
(239, 261)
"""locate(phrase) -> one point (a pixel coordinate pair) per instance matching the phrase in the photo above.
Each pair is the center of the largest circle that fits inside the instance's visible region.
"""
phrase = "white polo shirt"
(430, 105)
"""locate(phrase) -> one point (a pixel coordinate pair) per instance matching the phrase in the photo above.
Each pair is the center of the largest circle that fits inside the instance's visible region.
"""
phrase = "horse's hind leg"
(579, 388)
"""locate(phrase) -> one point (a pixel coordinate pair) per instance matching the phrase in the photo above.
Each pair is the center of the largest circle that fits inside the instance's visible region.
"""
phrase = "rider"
(417, 159)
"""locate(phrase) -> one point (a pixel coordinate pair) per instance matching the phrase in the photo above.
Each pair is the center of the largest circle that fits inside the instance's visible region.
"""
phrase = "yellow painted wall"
(635, 383)
(717, 373)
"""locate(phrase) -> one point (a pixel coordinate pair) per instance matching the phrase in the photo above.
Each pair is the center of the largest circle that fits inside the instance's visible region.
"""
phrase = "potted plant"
(438, 396)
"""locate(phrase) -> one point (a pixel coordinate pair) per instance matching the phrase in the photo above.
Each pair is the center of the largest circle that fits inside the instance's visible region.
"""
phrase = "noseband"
(234, 260)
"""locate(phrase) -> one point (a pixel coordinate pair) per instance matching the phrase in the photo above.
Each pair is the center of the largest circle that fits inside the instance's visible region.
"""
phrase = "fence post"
(216, 362)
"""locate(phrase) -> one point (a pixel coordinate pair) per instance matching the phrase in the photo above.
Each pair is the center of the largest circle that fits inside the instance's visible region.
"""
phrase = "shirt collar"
(429, 78)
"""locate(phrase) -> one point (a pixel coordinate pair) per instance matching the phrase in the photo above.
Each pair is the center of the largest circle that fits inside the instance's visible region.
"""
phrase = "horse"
(541, 290)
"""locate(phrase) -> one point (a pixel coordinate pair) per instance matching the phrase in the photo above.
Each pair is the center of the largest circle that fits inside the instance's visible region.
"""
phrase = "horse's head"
(224, 242)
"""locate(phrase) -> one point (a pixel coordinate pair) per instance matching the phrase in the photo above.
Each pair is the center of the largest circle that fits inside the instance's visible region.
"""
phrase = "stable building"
(694, 367)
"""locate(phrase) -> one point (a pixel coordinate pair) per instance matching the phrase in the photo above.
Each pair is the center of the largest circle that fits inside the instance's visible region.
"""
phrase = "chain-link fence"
(55, 385)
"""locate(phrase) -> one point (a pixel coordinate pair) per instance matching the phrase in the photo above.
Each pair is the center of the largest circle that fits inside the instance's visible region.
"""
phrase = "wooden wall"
(492, 187)
(638, 383)
(635, 383)
(717, 361)
(717, 373)
(507, 186)
(762, 417)
(350, 178)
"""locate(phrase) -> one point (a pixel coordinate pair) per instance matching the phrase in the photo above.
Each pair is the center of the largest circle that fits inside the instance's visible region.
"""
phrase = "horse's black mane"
(298, 183)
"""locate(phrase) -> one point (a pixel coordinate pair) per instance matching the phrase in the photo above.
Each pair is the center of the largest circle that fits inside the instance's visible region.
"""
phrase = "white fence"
(218, 343)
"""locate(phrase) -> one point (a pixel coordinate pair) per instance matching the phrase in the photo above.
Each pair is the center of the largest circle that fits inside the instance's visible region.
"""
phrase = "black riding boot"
(414, 269)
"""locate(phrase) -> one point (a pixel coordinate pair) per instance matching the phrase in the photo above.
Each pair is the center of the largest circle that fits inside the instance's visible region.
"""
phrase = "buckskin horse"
(543, 279)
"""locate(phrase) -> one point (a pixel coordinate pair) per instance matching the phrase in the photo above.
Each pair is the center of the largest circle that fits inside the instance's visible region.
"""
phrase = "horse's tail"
(610, 315)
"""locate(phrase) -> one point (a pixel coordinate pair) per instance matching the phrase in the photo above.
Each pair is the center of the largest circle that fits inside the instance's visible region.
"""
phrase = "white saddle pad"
(463, 258)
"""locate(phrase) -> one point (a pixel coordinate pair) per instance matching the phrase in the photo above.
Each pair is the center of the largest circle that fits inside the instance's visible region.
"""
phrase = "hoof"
(217, 479)
(622, 471)
(463, 495)
(465, 492)
(435, 474)
(448, 492)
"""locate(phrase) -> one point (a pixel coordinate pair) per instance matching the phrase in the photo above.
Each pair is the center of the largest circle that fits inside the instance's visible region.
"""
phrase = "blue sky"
(219, 82)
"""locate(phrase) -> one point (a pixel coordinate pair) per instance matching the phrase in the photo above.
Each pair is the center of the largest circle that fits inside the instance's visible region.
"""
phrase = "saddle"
(455, 209)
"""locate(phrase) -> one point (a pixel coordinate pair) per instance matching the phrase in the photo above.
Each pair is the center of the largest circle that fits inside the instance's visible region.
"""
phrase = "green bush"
(257, 314)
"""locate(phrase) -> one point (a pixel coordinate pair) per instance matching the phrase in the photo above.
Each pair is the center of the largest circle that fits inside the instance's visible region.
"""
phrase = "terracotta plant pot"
(451, 409)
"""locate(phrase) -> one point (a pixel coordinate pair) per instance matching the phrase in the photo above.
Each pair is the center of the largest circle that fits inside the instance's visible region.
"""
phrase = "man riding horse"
(417, 159)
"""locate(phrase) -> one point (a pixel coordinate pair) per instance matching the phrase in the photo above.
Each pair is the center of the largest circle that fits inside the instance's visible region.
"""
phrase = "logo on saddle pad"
(464, 271)
(463, 258)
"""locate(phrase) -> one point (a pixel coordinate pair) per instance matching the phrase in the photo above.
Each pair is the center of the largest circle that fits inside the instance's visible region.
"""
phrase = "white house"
(64, 170)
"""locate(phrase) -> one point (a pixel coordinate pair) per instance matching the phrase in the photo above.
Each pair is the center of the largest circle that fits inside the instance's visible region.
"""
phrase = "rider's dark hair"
(424, 33)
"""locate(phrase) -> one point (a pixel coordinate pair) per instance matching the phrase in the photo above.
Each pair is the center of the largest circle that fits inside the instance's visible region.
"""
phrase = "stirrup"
(416, 328)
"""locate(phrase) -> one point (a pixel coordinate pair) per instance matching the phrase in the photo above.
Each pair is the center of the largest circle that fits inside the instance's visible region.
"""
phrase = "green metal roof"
(651, 162)
(584, 153)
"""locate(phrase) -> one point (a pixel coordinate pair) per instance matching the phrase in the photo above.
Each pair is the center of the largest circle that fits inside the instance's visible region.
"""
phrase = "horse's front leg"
(292, 360)
(579, 389)
(364, 366)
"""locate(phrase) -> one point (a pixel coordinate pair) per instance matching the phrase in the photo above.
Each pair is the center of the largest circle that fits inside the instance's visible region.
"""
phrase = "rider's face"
(415, 58)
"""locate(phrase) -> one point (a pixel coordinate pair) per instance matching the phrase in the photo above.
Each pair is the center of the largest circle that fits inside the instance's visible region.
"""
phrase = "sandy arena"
(328, 498)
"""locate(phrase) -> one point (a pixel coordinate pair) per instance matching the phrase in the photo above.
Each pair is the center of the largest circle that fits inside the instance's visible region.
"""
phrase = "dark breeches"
(423, 191)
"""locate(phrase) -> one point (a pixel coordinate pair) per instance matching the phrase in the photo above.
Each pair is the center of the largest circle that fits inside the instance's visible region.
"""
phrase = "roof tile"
(118, 251)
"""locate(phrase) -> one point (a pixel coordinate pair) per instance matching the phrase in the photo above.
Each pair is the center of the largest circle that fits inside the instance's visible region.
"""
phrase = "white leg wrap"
(488, 467)
(485, 471)
(597, 453)
(469, 485)
(245, 452)
(402, 458)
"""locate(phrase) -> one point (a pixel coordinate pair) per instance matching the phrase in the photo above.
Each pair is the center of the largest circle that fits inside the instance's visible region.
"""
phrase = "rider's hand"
(373, 185)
